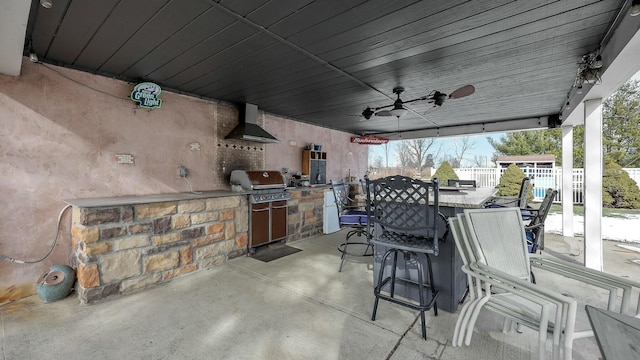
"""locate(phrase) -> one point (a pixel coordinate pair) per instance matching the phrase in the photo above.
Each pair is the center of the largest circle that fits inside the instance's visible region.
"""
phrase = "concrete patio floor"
(296, 307)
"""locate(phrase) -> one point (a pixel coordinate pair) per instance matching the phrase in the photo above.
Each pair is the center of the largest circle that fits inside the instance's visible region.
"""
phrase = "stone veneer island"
(124, 244)
(128, 243)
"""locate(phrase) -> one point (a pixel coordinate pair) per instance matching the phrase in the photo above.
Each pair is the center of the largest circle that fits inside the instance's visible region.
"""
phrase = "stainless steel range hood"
(248, 129)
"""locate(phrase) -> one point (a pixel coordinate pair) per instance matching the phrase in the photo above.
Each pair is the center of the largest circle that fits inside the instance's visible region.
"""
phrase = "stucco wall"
(341, 154)
(61, 130)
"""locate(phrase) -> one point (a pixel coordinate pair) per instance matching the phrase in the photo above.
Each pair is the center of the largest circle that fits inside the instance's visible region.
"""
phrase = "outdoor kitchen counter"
(128, 243)
(465, 198)
(305, 209)
(147, 199)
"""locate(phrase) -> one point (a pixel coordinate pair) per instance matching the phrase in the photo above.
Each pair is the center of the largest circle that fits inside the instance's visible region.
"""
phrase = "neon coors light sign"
(146, 95)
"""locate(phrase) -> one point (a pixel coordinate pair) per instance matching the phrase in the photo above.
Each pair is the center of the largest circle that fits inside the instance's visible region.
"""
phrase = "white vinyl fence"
(541, 179)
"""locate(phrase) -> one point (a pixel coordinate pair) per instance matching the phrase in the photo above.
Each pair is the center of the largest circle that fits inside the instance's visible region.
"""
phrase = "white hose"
(55, 240)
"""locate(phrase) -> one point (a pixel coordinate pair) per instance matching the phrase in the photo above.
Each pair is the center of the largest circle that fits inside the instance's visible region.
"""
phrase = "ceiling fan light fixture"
(635, 8)
(397, 112)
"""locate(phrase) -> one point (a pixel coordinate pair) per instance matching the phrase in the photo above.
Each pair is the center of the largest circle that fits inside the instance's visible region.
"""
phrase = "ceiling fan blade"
(462, 92)
(384, 113)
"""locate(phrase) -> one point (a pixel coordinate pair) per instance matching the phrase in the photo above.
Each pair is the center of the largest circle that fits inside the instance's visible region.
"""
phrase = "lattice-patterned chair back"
(405, 222)
(401, 210)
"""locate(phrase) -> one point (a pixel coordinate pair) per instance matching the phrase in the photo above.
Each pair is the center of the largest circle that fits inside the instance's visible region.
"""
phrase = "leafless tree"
(387, 149)
(404, 155)
(377, 162)
(479, 161)
(419, 148)
(460, 147)
(370, 153)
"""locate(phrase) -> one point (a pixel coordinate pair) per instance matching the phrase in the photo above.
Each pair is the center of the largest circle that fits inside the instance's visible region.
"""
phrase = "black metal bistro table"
(449, 279)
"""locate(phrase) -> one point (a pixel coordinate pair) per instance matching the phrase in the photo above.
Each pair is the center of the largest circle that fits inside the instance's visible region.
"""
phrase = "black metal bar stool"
(405, 223)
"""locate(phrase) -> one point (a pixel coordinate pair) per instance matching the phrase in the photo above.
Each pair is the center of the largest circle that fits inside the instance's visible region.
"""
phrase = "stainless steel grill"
(268, 195)
(268, 210)
(264, 185)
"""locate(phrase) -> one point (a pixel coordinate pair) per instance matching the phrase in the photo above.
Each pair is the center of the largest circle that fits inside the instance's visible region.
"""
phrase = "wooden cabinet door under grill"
(260, 224)
(268, 222)
(278, 220)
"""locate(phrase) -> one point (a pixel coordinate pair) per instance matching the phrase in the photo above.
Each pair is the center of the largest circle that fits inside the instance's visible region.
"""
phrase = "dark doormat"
(273, 252)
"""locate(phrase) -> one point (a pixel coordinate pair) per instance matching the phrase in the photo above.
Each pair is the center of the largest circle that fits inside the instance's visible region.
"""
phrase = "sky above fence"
(481, 148)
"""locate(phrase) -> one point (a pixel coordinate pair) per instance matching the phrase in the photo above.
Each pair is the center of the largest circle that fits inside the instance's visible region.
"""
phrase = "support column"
(593, 171)
(567, 181)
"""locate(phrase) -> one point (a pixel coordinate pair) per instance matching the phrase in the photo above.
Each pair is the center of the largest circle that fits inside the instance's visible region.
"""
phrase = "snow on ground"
(623, 228)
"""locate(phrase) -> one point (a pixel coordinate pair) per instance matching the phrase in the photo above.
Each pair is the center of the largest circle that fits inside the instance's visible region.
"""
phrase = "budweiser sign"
(369, 140)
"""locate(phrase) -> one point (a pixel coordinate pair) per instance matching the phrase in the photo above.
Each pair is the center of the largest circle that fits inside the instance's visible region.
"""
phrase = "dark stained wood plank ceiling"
(325, 61)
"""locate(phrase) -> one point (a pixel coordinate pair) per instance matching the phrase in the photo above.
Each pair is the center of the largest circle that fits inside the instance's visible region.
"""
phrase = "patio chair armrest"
(553, 307)
(519, 287)
(566, 308)
(503, 201)
(446, 222)
(523, 285)
(531, 227)
(540, 261)
(353, 207)
(576, 273)
(592, 277)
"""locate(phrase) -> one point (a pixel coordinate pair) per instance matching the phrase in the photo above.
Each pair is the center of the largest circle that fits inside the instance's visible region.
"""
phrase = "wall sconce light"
(635, 8)
(47, 4)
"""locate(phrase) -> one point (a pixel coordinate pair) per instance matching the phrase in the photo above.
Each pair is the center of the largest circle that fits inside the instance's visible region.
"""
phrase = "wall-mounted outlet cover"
(182, 171)
(124, 159)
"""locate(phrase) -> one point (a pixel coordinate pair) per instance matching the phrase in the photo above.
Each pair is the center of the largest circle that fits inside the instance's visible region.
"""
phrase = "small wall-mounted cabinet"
(314, 164)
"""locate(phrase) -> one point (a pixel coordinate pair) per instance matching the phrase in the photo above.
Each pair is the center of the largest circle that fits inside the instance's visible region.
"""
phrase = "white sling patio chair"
(516, 302)
(498, 241)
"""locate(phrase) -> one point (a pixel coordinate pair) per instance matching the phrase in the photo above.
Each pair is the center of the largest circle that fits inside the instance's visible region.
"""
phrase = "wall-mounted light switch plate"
(124, 159)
